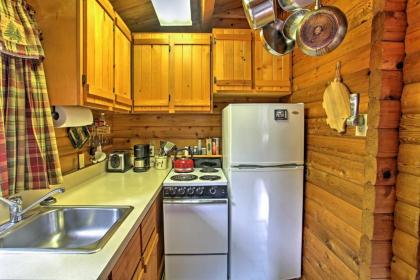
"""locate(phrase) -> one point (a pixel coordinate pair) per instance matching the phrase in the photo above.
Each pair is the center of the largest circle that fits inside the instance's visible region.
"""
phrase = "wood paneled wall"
(350, 196)
(182, 129)
(68, 155)
(405, 264)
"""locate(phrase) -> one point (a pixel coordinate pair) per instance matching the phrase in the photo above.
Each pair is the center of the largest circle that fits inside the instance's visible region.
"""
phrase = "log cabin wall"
(405, 263)
(350, 194)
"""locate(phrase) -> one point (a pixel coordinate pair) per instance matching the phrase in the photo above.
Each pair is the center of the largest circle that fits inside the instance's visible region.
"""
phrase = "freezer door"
(263, 134)
(195, 227)
(204, 267)
(266, 223)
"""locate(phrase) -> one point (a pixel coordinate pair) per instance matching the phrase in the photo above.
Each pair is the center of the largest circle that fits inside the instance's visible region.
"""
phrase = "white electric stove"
(195, 210)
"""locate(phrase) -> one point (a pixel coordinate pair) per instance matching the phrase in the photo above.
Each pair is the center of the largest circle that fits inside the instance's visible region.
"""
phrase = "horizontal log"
(407, 219)
(410, 100)
(406, 247)
(386, 84)
(401, 270)
(309, 271)
(354, 147)
(382, 142)
(337, 227)
(412, 39)
(410, 129)
(345, 211)
(346, 169)
(408, 189)
(387, 55)
(408, 159)
(389, 26)
(379, 199)
(331, 266)
(384, 113)
(334, 243)
(347, 191)
(320, 127)
(411, 66)
(355, 81)
(315, 109)
(380, 171)
(375, 257)
(378, 226)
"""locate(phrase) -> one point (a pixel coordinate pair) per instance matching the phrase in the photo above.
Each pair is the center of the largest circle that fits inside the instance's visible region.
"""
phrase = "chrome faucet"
(15, 205)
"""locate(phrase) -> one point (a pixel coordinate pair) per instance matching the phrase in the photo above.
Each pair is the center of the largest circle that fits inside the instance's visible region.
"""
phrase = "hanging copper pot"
(321, 31)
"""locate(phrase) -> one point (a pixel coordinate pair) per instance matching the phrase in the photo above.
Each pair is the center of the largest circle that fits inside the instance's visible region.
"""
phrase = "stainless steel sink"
(65, 230)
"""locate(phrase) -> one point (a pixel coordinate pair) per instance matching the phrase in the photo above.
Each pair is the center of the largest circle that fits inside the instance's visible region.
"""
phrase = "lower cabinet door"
(194, 267)
(151, 259)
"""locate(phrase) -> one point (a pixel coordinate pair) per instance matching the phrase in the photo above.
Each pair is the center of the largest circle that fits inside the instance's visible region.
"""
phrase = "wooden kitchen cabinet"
(99, 50)
(272, 73)
(151, 72)
(78, 39)
(172, 72)
(191, 72)
(232, 60)
(142, 258)
(242, 67)
(129, 260)
(122, 70)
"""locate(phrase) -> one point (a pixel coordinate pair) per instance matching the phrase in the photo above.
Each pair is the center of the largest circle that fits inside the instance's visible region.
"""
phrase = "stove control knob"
(199, 191)
(167, 191)
(212, 191)
(173, 191)
(181, 191)
(190, 191)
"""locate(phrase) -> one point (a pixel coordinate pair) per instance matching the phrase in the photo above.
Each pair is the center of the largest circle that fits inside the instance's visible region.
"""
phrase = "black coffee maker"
(141, 158)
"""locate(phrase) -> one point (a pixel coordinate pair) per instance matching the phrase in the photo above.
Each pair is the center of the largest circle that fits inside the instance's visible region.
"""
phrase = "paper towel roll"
(72, 116)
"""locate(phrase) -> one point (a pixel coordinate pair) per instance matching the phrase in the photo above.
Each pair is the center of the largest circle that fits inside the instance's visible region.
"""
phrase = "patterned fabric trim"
(19, 34)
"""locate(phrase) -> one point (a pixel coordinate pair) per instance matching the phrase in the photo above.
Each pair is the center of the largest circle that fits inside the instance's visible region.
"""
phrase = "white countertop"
(133, 189)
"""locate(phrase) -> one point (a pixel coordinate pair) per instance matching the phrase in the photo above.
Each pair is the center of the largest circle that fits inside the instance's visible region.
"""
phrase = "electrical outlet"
(362, 127)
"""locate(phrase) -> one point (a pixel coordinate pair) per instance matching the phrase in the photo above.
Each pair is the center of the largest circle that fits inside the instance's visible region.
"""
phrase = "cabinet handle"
(215, 80)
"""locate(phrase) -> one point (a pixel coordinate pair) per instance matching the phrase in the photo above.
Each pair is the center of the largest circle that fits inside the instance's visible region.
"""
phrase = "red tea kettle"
(183, 164)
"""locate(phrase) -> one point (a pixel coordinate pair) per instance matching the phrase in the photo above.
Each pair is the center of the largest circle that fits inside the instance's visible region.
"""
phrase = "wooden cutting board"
(337, 103)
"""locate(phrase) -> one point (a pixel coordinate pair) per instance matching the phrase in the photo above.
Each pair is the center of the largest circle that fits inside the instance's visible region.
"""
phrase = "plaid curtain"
(28, 149)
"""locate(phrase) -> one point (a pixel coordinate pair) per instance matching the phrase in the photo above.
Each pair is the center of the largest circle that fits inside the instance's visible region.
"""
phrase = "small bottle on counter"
(199, 146)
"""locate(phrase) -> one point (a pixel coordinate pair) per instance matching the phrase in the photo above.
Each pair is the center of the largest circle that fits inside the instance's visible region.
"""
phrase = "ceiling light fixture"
(173, 12)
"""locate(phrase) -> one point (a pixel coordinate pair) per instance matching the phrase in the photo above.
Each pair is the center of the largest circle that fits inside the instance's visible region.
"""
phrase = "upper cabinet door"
(99, 50)
(122, 66)
(151, 72)
(272, 73)
(232, 63)
(190, 74)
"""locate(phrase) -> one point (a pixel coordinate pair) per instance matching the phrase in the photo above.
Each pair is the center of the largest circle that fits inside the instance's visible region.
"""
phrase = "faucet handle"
(16, 200)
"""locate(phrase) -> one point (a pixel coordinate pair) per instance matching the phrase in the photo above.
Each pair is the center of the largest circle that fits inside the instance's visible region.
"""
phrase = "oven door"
(195, 226)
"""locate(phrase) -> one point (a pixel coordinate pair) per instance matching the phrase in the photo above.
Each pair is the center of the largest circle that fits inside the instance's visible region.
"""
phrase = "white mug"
(161, 162)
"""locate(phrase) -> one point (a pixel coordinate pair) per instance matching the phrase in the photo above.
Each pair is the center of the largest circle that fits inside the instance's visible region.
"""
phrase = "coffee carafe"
(141, 158)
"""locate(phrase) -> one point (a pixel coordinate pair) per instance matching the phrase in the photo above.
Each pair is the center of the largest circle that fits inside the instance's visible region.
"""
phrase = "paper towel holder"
(71, 116)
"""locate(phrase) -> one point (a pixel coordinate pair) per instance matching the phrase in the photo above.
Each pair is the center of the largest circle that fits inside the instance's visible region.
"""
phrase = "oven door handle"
(195, 201)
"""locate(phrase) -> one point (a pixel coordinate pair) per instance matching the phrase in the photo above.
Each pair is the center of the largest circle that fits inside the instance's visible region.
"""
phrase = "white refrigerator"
(263, 158)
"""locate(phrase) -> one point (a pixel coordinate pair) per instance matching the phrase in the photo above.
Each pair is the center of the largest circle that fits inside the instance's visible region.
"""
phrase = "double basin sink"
(77, 229)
